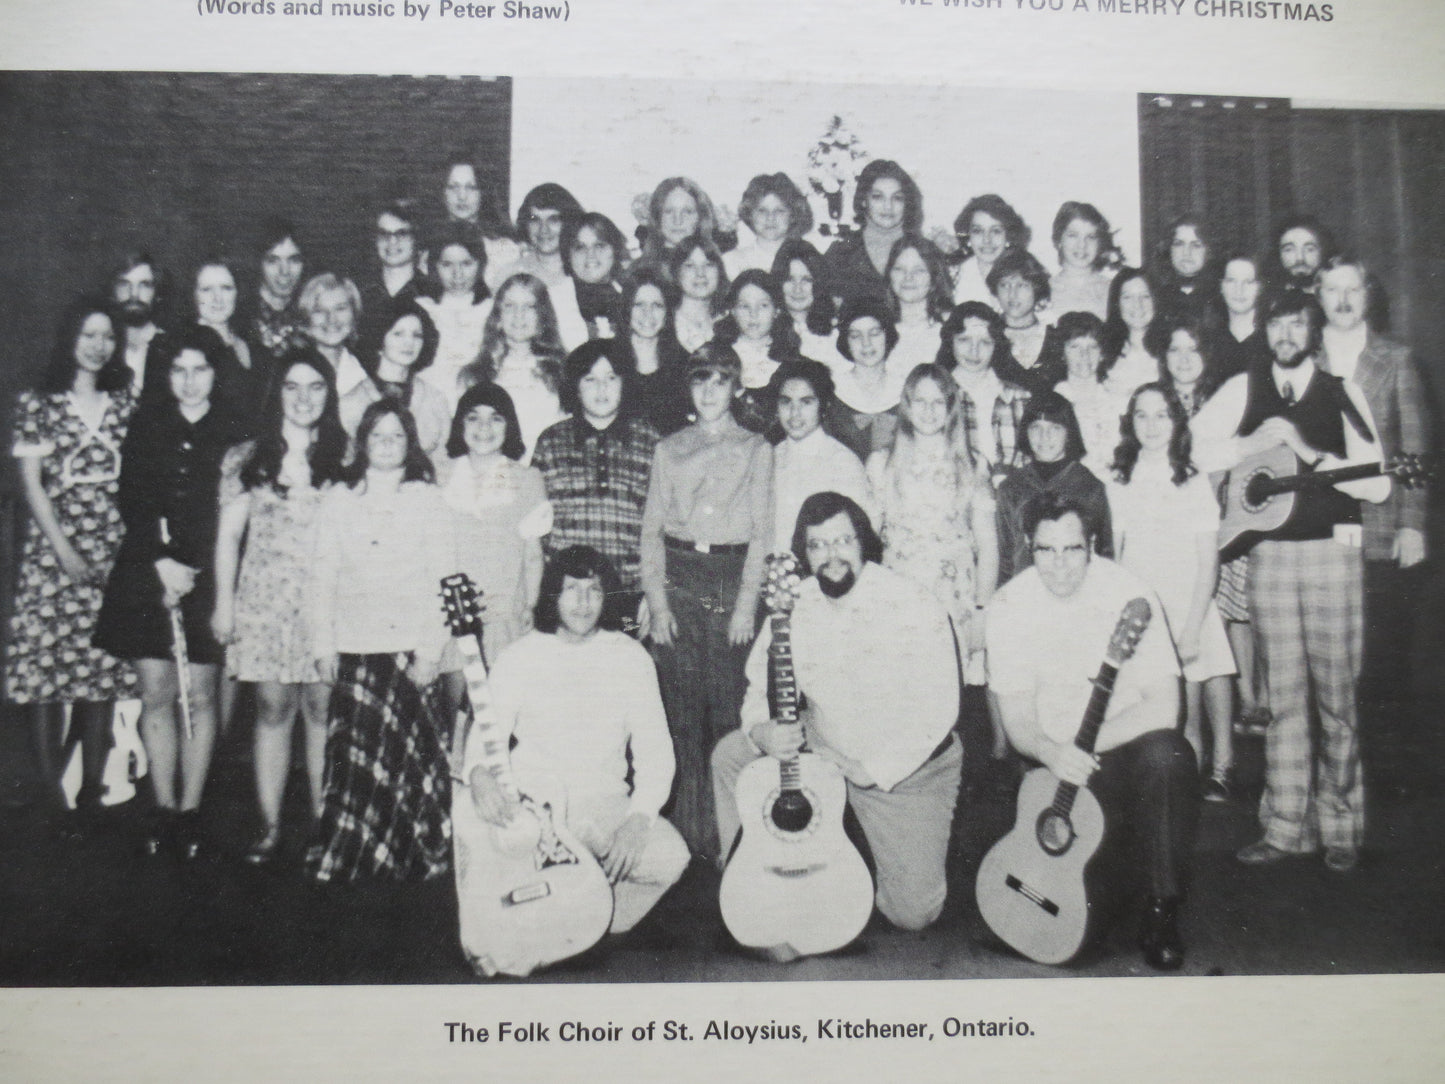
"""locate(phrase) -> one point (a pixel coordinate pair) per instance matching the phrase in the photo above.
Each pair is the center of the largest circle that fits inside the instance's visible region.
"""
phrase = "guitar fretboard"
(1088, 733)
(496, 749)
(785, 689)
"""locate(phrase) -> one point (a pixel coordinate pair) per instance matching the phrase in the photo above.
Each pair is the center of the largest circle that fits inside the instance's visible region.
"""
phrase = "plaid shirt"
(1008, 412)
(597, 482)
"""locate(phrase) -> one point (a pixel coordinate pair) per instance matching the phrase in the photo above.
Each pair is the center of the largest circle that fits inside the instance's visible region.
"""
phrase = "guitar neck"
(785, 688)
(496, 754)
(1088, 730)
(1268, 487)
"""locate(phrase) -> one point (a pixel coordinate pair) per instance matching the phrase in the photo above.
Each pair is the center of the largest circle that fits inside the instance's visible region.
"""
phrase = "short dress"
(50, 658)
(927, 530)
(493, 519)
(272, 639)
(1155, 526)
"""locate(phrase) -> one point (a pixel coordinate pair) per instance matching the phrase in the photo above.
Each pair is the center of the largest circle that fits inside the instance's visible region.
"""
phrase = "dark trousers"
(1149, 791)
(702, 681)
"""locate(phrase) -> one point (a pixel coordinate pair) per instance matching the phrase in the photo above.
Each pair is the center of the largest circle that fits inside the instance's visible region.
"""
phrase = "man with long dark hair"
(873, 654)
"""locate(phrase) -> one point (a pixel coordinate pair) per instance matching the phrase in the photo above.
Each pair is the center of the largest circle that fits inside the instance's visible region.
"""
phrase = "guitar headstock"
(463, 605)
(1411, 471)
(780, 584)
(1128, 631)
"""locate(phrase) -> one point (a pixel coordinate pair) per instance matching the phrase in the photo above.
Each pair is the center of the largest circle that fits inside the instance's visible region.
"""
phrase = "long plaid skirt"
(387, 789)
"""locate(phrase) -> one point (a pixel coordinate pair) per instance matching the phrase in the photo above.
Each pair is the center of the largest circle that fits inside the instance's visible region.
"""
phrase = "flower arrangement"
(834, 163)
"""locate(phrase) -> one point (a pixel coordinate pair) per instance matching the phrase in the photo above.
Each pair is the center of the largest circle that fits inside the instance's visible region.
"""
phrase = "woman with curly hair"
(887, 205)
(596, 255)
(271, 488)
(677, 210)
(986, 228)
(402, 353)
(522, 353)
(1166, 525)
(775, 211)
(1088, 256)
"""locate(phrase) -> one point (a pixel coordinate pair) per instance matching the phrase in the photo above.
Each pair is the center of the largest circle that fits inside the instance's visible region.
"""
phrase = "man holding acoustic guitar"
(1305, 576)
(873, 656)
(1048, 629)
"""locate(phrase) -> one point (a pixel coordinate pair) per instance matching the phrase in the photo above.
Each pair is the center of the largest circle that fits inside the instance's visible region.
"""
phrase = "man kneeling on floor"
(874, 659)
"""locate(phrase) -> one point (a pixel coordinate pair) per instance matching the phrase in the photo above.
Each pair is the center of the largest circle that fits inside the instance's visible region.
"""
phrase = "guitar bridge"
(797, 871)
(527, 894)
(1037, 898)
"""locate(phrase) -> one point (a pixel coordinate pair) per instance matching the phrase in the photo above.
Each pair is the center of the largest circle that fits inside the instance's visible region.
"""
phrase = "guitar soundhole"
(1253, 498)
(1055, 832)
(792, 811)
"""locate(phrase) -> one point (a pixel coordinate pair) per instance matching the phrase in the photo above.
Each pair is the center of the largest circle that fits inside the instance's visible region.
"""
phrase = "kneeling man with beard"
(878, 676)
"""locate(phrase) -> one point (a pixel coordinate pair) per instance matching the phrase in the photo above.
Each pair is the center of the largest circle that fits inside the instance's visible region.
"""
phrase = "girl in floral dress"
(936, 513)
(271, 488)
(68, 434)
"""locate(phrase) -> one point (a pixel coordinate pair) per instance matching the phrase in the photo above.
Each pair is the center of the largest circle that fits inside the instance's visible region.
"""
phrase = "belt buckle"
(702, 547)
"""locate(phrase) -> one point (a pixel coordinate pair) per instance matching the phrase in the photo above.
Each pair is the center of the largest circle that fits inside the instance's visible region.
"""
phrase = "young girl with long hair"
(1166, 524)
(758, 328)
(697, 268)
(522, 353)
(383, 545)
(164, 577)
(458, 306)
(271, 488)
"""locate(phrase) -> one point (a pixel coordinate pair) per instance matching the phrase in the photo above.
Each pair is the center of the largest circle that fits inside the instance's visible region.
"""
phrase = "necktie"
(1288, 394)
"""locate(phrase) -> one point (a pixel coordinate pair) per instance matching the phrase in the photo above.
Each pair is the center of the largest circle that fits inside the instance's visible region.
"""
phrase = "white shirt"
(1343, 349)
(1051, 648)
(1215, 429)
(878, 669)
(917, 345)
(815, 464)
(971, 285)
(576, 709)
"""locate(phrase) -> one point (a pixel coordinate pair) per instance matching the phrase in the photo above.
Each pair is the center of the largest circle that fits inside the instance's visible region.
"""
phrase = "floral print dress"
(50, 657)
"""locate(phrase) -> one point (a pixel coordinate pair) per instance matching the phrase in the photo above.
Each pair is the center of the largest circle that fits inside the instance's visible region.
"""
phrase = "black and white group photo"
(654, 530)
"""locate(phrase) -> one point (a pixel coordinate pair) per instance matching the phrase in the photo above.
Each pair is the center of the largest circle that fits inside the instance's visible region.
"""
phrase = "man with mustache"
(1385, 373)
(135, 288)
(1302, 244)
(1305, 581)
(874, 657)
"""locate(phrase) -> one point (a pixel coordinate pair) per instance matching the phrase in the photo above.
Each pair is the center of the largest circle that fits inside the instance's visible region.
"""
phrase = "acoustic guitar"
(528, 894)
(795, 885)
(1258, 495)
(1030, 888)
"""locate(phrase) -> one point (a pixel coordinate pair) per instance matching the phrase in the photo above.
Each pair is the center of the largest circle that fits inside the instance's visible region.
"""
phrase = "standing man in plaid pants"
(1305, 581)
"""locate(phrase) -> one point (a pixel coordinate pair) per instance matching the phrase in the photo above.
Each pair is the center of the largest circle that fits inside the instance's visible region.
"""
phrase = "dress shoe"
(1261, 853)
(1160, 940)
(190, 845)
(1216, 788)
(1341, 859)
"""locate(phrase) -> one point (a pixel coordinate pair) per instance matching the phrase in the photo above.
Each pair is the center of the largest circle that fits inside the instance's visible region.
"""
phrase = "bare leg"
(1193, 707)
(1241, 641)
(158, 692)
(276, 706)
(228, 687)
(315, 698)
(1217, 703)
(196, 750)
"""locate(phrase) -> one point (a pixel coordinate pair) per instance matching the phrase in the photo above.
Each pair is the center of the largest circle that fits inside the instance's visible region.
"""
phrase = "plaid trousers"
(1307, 602)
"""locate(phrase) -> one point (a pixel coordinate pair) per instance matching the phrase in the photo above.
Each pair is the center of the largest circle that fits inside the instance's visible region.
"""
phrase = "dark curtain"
(1225, 159)
(1373, 176)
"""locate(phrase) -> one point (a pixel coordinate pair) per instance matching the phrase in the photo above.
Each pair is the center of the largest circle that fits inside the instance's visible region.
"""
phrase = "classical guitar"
(1030, 886)
(1258, 496)
(528, 894)
(795, 885)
